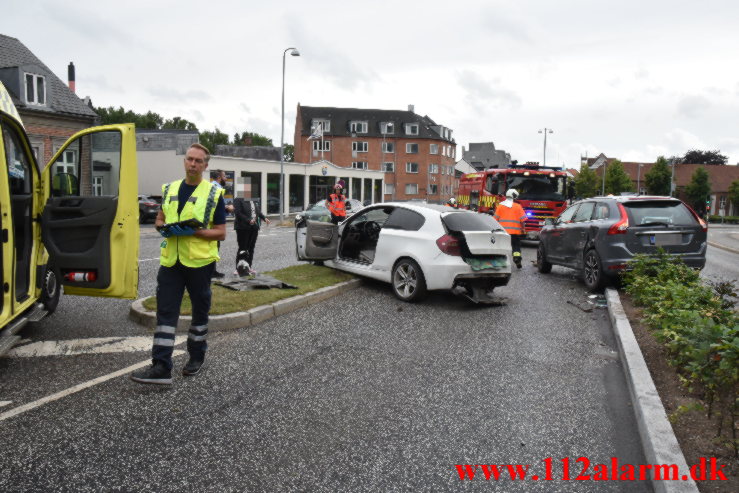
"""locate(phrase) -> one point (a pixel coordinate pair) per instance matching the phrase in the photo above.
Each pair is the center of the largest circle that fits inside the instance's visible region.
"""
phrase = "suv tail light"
(449, 245)
(703, 224)
(620, 227)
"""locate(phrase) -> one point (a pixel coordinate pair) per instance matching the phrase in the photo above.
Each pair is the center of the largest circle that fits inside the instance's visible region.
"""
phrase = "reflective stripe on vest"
(511, 218)
(337, 205)
(190, 250)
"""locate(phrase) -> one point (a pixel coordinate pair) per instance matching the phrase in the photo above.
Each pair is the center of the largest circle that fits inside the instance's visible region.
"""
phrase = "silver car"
(598, 236)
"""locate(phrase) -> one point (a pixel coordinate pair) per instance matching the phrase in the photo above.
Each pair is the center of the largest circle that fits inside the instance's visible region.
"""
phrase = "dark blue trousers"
(171, 285)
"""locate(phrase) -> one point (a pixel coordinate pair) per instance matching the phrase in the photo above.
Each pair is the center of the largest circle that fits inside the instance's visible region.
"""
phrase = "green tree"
(148, 120)
(659, 179)
(251, 139)
(288, 153)
(211, 139)
(694, 156)
(698, 190)
(617, 180)
(179, 124)
(586, 183)
(734, 194)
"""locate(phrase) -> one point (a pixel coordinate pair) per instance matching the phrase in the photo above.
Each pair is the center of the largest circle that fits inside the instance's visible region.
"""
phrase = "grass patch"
(306, 277)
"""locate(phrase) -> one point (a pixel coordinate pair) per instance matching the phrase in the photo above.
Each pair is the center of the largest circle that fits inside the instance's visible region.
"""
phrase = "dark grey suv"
(598, 236)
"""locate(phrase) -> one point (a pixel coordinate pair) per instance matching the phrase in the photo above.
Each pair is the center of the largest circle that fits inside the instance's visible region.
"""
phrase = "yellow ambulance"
(73, 224)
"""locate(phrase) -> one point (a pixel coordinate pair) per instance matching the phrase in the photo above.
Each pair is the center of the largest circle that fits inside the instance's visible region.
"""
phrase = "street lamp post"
(638, 178)
(545, 132)
(293, 52)
(603, 188)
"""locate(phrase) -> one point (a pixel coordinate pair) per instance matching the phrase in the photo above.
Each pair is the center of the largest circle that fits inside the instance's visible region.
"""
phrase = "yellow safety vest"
(190, 250)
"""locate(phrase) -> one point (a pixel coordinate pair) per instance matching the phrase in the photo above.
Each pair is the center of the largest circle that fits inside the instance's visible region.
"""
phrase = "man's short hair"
(215, 174)
(202, 148)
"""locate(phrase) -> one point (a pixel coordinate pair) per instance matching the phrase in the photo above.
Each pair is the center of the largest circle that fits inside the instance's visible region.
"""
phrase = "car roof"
(632, 198)
(419, 206)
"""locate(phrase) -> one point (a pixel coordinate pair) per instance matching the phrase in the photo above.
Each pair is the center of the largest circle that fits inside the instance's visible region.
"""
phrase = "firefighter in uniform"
(336, 204)
(187, 260)
(512, 217)
(453, 203)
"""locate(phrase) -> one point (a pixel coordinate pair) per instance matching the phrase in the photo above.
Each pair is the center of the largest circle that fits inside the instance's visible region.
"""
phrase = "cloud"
(679, 141)
(171, 94)
(85, 23)
(497, 23)
(614, 81)
(654, 90)
(693, 106)
(479, 90)
(641, 73)
(101, 82)
(244, 108)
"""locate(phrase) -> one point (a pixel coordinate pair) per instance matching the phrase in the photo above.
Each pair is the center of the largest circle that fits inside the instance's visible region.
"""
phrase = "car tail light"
(703, 224)
(449, 245)
(620, 227)
(150, 204)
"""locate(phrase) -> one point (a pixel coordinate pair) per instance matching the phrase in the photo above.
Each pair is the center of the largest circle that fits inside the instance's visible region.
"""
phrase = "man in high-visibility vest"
(187, 259)
(512, 217)
(453, 203)
(336, 204)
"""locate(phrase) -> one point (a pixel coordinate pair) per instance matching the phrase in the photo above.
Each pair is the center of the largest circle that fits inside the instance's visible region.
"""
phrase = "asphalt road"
(360, 392)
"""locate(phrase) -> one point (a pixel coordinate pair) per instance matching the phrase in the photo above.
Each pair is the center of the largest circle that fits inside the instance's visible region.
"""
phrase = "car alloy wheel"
(408, 281)
(592, 271)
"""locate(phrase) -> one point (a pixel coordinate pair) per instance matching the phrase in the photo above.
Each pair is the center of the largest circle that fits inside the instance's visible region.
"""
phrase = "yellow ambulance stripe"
(7, 106)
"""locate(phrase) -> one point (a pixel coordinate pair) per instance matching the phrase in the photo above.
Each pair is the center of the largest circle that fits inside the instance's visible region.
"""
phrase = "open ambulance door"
(89, 221)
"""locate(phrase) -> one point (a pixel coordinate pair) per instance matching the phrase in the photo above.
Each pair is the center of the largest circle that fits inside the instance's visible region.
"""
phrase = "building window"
(411, 189)
(389, 188)
(411, 167)
(388, 147)
(434, 189)
(387, 128)
(411, 148)
(411, 128)
(434, 149)
(317, 145)
(359, 164)
(359, 146)
(433, 169)
(325, 125)
(357, 127)
(97, 186)
(35, 89)
(722, 202)
(388, 167)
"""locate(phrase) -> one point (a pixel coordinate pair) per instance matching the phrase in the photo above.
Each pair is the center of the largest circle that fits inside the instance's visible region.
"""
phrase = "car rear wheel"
(408, 281)
(593, 271)
(541, 263)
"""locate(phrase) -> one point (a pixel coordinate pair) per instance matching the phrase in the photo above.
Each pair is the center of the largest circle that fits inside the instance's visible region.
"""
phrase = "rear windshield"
(655, 213)
(465, 221)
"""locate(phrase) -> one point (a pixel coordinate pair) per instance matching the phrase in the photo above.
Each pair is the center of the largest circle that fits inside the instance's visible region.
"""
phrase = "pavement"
(726, 237)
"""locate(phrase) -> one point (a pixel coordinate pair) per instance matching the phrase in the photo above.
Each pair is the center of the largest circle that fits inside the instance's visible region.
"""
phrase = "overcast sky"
(631, 79)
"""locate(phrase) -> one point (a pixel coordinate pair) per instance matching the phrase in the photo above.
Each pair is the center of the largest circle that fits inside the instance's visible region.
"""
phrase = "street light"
(293, 52)
(638, 176)
(545, 132)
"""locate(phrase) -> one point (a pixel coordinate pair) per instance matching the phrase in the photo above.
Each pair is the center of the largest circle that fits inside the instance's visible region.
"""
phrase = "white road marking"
(148, 259)
(93, 345)
(77, 388)
(5, 403)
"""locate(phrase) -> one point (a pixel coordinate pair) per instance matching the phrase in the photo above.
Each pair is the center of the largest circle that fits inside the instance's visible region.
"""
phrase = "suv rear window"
(659, 212)
(464, 221)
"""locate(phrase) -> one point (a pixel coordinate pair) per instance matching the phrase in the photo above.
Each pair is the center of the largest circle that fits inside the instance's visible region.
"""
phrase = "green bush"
(726, 219)
(699, 326)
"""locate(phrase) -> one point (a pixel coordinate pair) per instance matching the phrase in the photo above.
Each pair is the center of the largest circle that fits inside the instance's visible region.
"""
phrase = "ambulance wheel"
(408, 281)
(51, 289)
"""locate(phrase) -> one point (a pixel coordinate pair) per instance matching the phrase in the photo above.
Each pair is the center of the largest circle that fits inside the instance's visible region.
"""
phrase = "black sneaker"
(218, 275)
(517, 261)
(157, 374)
(192, 367)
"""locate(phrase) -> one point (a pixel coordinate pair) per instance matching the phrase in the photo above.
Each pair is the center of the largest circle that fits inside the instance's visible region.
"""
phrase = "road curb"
(238, 320)
(658, 439)
(723, 247)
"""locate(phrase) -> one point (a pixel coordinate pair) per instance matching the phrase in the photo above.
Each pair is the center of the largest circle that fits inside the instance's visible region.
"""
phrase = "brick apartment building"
(416, 154)
(50, 110)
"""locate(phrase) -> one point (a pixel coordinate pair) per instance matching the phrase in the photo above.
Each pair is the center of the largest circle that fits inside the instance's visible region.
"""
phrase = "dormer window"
(35, 89)
(358, 127)
(387, 128)
(324, 123)
(411, 128)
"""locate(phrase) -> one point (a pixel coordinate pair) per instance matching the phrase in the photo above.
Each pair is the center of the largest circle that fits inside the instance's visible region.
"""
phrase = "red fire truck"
(543, 192)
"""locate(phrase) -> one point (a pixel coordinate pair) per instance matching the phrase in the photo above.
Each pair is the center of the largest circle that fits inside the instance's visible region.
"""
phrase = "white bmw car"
(415, 247)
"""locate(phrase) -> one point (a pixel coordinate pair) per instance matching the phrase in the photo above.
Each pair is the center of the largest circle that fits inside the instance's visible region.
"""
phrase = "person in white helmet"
(512, 217)
(453, 203)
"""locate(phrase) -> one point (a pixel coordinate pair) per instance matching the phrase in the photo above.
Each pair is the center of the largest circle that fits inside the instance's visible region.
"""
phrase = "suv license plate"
(666, 239)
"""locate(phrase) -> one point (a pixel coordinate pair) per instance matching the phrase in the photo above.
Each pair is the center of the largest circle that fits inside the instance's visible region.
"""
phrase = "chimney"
(411, 108)
(70, 77)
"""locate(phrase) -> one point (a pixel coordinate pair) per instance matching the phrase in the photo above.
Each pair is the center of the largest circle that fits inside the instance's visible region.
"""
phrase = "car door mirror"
(550, 221)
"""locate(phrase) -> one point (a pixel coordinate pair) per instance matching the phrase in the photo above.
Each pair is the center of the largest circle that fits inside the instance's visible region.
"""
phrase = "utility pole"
(545, 132)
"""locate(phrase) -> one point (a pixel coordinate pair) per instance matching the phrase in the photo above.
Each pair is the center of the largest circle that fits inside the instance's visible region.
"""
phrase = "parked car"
(319, 211)
(414, 247)
(598, 236)
(148, 208)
